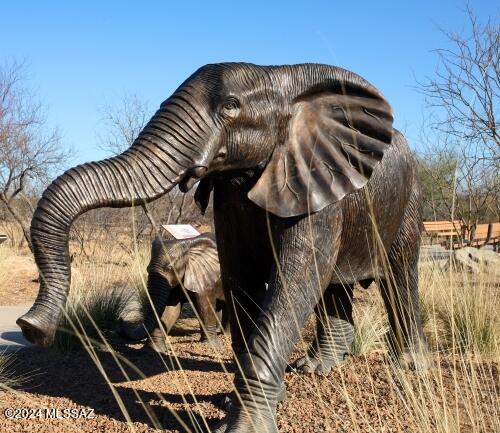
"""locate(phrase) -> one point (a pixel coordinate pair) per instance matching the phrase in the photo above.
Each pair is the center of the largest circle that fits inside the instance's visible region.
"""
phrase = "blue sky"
(82, 55)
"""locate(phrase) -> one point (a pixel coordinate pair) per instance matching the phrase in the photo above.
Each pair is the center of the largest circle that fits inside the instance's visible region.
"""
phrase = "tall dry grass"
(8, 379)
(459, 311)
(4, 278)
(459, 314)
(371, 326)
(103, 290)
(461, 323)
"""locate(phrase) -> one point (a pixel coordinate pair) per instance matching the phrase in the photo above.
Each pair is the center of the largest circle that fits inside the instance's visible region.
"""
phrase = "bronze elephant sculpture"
(314, 190)
(181, 271)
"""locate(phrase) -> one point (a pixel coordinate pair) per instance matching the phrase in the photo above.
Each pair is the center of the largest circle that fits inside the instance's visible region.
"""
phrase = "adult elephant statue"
(313, 191)
(180, 271)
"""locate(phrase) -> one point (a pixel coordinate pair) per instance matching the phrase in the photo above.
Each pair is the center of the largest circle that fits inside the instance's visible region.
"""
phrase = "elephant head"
(318, 131)
(192, 264)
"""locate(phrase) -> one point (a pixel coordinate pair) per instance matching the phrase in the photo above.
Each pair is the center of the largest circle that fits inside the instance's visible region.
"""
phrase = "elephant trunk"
(148, 169)
(159, 290)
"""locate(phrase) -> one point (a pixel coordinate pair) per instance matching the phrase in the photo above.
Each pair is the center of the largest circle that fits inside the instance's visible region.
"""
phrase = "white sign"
(181, 231)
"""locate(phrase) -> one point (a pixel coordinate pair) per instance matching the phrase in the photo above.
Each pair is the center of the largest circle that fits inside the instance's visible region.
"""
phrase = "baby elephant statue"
(180, 271)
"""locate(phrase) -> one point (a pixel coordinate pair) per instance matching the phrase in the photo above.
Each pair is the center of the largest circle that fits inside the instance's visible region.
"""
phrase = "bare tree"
(29, 151)
(437, 174)
(466, 85)
(123, 122)
(465, 95)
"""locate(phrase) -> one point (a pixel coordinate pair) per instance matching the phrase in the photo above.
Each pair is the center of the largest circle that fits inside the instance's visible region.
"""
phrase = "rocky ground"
(365, 395)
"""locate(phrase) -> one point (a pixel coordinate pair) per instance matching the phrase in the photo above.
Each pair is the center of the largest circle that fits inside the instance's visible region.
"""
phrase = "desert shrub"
(91, 316)
(100, 296)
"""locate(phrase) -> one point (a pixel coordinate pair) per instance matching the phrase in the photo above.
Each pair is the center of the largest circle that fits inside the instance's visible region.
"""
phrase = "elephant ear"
(202, 268)
(337, 134)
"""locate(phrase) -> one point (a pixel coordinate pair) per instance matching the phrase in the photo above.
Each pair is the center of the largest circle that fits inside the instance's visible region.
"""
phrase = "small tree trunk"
(154, 228)
(25, 229)
(181, 208)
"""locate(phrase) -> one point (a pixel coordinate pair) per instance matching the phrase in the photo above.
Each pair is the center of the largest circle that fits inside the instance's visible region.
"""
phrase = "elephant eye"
(230, 106)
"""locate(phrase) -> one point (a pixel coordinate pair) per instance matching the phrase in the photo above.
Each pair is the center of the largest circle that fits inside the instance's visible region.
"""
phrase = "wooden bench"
(453, 234)
(3, 238)
(444, 229)
(487, 234)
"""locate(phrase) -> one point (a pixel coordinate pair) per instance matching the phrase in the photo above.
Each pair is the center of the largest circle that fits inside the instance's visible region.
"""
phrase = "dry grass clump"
(7, 378)
(471, 320)
(4, 277)
(100, 295)
(460, 309)
(371, 327)
(89, 315)
(459, 312)
(456, 393)
(461, 323)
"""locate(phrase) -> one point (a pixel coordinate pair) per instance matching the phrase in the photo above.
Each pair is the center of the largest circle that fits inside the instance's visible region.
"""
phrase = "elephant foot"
(240, 420)
(318, 365)
(414, 360)
(229, 399)
(147, 350)
(331, 347)
(414, 356)
(158, 346)
(213, 342)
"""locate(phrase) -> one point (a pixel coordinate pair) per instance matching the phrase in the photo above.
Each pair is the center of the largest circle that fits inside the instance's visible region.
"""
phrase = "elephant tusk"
(187, 183)
(192, 177)
(199, 172)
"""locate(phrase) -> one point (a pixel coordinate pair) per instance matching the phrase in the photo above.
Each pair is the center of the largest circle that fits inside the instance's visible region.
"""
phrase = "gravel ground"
(364, 395)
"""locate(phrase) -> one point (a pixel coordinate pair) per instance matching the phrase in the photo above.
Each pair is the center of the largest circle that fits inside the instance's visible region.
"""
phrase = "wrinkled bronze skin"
(313, 191)
(181, 271)
(324, 253)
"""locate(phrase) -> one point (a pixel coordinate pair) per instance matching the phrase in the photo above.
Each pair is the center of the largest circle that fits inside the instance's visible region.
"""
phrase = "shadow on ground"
(77, 377)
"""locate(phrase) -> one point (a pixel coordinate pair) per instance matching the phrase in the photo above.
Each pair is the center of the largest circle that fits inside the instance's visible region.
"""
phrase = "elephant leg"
(305, 259)
(157, 338)
(223, 315)
(246, 297)
(245, 258)
(334, 331)
(170, 316)
(406, 338)
(400, 293)
(206, 304)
